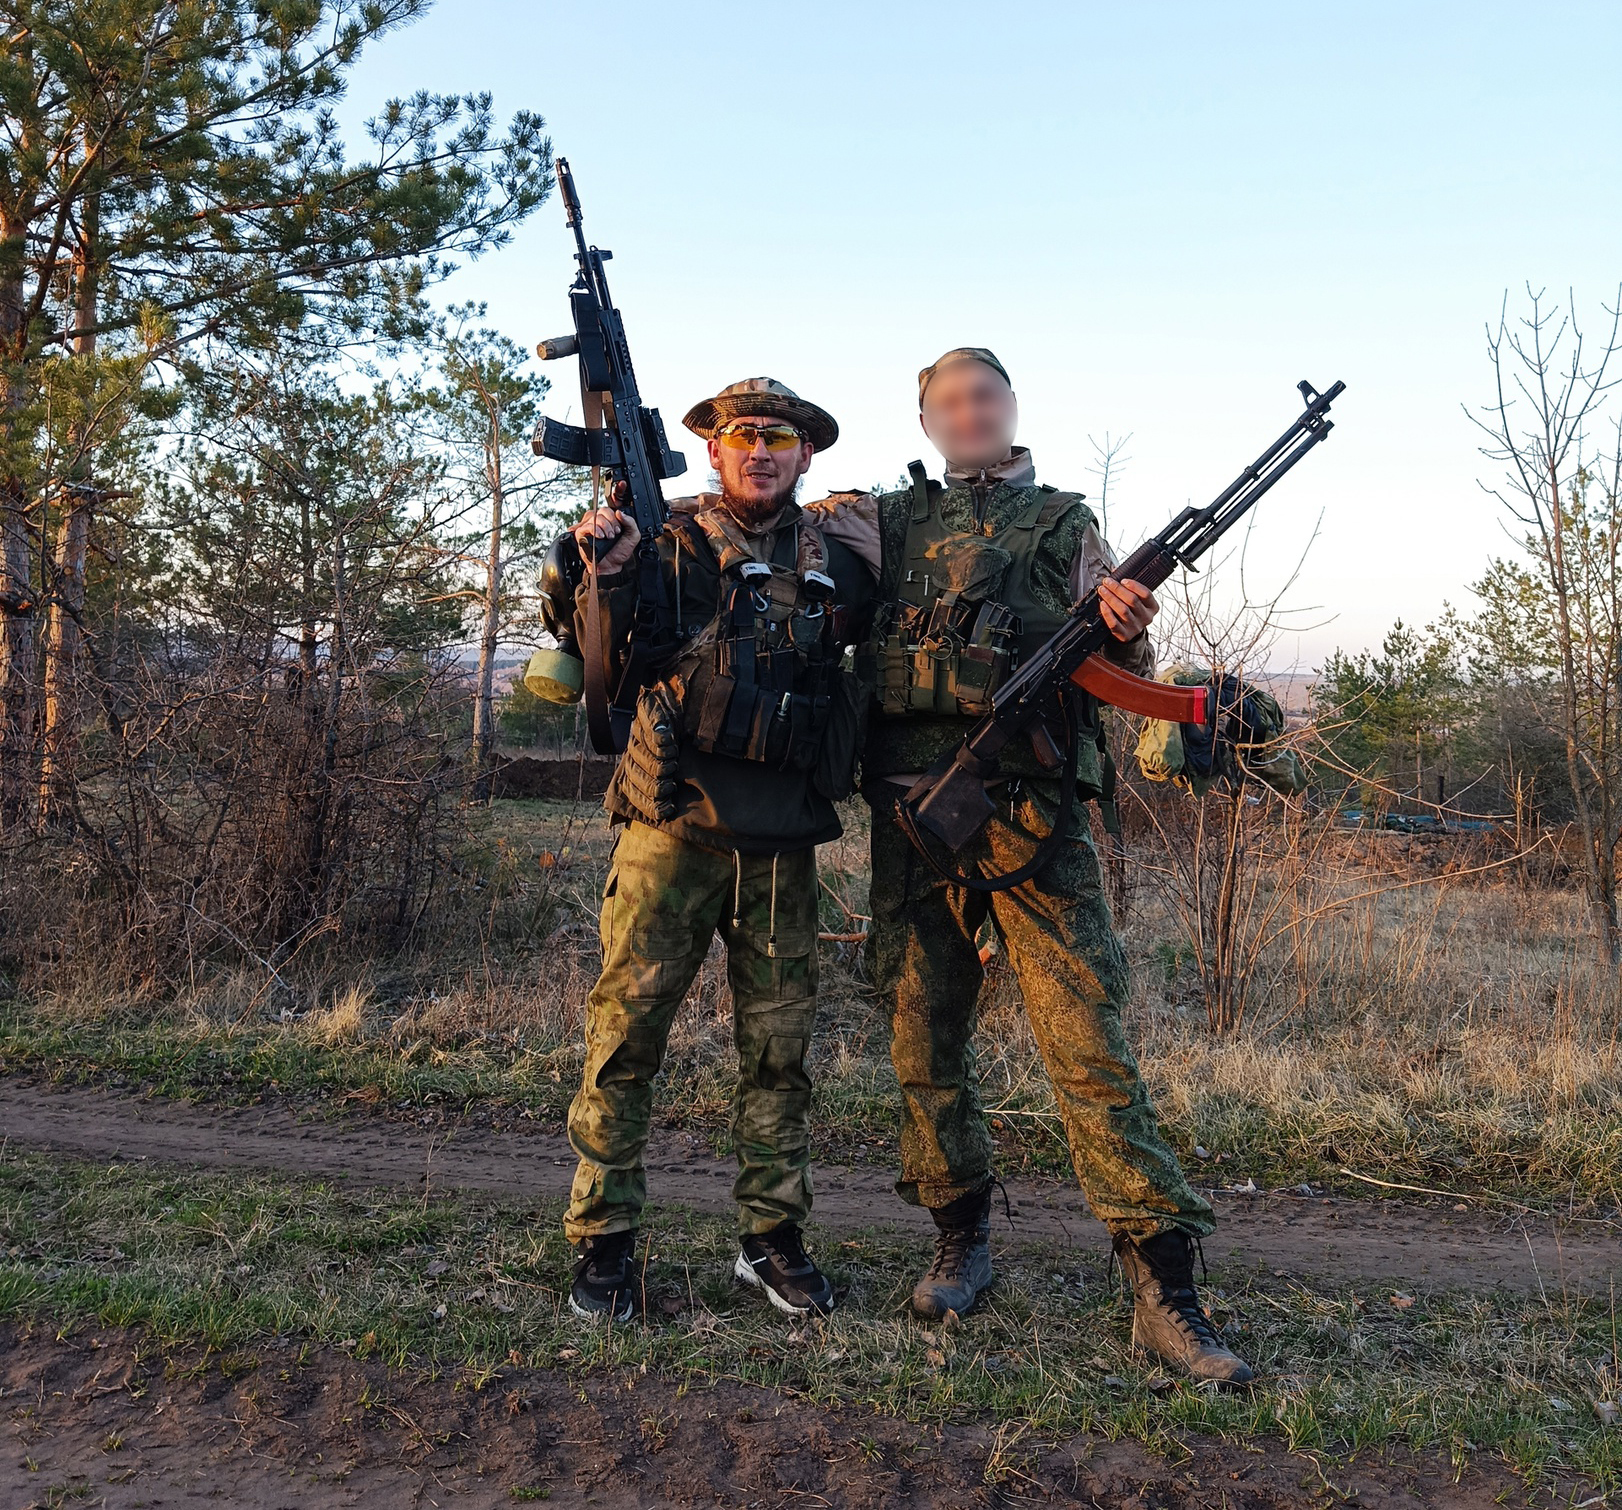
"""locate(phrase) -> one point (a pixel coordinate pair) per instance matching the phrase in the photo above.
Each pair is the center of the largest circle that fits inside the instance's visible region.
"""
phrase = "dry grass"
(1451, 1035)
(1454, 1036)
(344, 1022)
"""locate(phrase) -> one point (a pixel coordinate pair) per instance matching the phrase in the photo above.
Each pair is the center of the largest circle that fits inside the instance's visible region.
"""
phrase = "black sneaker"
(605, 1278)
(777, 1263)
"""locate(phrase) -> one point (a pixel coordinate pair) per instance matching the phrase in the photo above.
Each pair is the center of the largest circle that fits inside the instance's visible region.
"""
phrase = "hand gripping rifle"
(627, 440)
(951, 800)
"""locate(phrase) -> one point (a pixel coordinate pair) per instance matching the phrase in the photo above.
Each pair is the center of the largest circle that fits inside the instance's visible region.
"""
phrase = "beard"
(752, 513)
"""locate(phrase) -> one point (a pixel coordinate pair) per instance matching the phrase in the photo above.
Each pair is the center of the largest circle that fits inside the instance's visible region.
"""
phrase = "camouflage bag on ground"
(1245, 741)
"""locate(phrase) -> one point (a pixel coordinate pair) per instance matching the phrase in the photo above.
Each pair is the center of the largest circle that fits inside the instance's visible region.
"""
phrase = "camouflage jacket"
(1071, 561)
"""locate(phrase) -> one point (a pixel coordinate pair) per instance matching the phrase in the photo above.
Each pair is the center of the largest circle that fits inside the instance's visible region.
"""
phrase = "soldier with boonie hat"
(762, 398)
(740, 746)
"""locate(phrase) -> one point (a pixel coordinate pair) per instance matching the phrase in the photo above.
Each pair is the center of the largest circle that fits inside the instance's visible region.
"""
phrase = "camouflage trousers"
(1072, 972)
(664, 901)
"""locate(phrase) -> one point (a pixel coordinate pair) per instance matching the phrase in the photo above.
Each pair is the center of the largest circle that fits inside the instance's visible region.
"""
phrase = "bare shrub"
(268, 772)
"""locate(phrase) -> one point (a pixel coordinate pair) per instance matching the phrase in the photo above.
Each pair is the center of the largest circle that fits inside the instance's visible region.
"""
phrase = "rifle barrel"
(1182, 542)
(1191, 534)
(571, 200)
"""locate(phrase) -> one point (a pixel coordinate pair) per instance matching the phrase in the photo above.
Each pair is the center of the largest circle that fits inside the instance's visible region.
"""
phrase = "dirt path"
(1341, 1240)
(107, 1419)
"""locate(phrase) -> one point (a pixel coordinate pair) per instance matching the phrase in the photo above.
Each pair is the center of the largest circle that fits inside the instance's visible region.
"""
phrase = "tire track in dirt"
(1344, 1240)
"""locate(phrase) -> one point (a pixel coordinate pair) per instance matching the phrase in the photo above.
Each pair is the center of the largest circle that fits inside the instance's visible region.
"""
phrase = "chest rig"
(757, 681)
(964, 607)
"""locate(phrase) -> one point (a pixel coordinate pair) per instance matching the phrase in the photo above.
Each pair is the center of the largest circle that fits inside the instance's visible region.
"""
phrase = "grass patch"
(1494, 1110)
(1451, 1037)
(238, 1263)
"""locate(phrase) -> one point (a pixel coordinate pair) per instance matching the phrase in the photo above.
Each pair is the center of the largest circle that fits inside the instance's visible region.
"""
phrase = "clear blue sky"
(1159, 215)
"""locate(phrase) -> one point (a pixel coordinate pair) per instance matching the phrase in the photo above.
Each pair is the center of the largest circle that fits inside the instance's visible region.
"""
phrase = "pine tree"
(172, 180)
(481, 412)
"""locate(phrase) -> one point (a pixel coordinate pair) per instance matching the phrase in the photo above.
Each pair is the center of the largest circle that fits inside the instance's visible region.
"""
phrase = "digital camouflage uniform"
(1056, 927)
(735, 855)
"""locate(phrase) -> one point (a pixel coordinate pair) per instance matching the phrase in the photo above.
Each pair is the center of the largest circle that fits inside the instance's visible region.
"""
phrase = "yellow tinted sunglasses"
(743, 437)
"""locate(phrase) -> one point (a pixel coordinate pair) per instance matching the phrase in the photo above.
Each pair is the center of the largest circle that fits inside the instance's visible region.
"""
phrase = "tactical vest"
(965, 608)
(756, 682)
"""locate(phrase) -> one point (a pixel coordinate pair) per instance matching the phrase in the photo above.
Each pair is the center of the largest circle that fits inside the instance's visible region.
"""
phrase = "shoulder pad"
(835, 504)
(1059, 504)
(687, 530)
(852, 519)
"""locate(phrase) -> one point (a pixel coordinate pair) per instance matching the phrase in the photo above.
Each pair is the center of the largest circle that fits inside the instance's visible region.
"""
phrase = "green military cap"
(764, 396)
(961, 354)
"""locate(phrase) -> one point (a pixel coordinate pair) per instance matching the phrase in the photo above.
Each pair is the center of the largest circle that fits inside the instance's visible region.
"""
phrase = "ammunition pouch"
(759, 682)
(834, 775)
(946, 657)
(964, 608)
(649, 773)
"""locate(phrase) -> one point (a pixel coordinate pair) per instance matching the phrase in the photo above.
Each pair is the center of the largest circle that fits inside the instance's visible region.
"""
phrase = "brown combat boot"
(1167, 1317)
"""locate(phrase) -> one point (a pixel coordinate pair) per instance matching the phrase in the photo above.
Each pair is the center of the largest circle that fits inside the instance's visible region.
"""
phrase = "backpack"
(1245, 741)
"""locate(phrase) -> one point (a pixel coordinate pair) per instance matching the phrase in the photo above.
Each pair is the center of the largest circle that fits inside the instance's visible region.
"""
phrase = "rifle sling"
(598, 724)
(1046, 849)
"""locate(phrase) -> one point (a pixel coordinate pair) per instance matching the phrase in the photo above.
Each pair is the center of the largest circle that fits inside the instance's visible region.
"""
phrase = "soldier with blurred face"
(973, 570)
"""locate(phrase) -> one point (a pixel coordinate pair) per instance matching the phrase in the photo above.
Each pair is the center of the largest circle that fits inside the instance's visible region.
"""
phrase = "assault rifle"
(627, 440)
(951, 800)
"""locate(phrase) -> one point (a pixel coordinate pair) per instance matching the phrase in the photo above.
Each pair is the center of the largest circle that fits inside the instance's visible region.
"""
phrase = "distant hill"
(1293, 689)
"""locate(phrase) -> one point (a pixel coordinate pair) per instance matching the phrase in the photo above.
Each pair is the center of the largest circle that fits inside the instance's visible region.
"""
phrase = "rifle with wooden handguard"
(951, 800)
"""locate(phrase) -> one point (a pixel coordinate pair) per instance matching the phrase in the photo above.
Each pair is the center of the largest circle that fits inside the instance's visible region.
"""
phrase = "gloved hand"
(648, 769)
